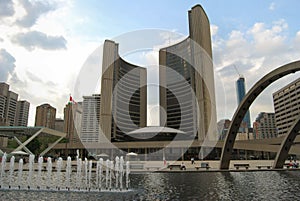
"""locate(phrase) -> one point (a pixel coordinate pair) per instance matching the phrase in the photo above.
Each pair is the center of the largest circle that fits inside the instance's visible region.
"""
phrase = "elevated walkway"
(32, 132)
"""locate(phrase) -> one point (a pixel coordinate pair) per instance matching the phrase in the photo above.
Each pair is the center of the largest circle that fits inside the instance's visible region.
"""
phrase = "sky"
(44, 44)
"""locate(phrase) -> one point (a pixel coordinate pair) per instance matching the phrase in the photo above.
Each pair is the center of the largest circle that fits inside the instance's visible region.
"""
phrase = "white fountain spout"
(20, 173)
(30, 169)
(90, 173)
(58, 172)
(3, 164)
(106, 173)
(49, 172)
(117, 171)
(100, 173)
(110, 174)
(79, 174)
(68, 173)
(39, 177)
(121, 172)
(11, 170)
(127, 174)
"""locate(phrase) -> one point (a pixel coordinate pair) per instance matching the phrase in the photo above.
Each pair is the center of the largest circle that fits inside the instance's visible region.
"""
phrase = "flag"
(72, 101)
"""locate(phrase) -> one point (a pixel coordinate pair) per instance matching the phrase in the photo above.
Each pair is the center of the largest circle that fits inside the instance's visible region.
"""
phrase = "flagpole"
(68, 125)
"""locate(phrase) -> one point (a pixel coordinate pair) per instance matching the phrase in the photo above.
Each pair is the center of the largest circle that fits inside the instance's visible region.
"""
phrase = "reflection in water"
(264, 185)
(261, 185)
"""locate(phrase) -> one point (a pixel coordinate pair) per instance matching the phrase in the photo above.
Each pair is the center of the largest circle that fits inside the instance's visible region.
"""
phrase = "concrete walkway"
(256, 165)
(150, 166)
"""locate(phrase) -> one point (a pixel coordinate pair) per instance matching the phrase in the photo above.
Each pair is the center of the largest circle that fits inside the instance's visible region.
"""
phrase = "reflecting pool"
(260, 185)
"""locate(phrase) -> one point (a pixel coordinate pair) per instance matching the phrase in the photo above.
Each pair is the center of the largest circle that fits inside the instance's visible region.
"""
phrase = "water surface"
(264, 185)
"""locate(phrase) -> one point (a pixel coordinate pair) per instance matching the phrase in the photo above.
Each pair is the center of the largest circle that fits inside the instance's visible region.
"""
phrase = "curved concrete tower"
(189, 101)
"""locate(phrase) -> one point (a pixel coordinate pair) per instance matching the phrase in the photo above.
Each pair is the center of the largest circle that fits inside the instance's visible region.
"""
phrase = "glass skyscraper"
(241, 91)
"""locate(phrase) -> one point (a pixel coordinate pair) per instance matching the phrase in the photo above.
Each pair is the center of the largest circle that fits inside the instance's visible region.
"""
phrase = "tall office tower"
(241, 91)
(264, 126)
(45, 116)
(11, 107)
(22, 113)
(123, 95)
(72, 122)
(8, 104)
(287, 106)
(186, 76)
(3, 97)
(90, 118)
(12, 111)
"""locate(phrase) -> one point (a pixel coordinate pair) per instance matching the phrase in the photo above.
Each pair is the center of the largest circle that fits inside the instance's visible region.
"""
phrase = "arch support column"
(286, 144)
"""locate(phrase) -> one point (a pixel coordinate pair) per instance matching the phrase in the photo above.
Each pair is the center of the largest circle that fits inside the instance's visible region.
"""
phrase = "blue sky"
(44, 44)
(170, 14)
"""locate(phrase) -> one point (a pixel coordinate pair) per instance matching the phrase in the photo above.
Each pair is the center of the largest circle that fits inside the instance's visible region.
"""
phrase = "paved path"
(213, 165)
(148, 166)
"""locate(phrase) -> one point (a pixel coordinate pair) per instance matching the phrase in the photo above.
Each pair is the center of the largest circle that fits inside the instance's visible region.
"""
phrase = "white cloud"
(35, 39)
(6, 8)
(297, 41)
(7, 65)
(255, 52)
(214, 30)
(272, 6)
(41, 75)
(33, 10)
(38, 91)
(268, 40)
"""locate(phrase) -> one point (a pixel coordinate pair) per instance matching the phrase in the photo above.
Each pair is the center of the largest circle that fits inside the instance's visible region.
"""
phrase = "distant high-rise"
(186, 76)
(264, 126)
(3, 97)
(287, 106)
(45, 116)
(90, 118)
(22, 113)
(72, 121)
(11, 107)
(12, 113)
(241, 91)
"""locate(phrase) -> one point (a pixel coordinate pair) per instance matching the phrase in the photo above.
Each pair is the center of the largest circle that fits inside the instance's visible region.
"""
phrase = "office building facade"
(264, 126)
(11, 107)
(90, 118)
(59, 124)
(3, 98)
(287, 106)
(72, 122)
(186, 77)
(45, 116)
(22, 113)
(12, 111)
(123, 95)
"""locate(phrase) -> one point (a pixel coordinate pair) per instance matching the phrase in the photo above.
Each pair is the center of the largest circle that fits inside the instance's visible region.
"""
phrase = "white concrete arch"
(249, 98)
